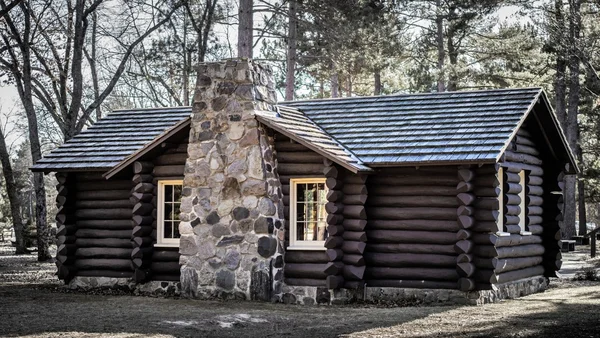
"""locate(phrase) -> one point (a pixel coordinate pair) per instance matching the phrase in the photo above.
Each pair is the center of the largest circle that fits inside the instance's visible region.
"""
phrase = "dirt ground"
(32, 304)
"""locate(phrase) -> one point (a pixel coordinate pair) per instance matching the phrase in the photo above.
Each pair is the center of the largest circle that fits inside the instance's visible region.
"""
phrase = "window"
(308, 218)
(169, 201)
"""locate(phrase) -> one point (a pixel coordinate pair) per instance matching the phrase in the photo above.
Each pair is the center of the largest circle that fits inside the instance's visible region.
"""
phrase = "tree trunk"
(453, 58)
(245, 29)
(25, 94)
(377, 82)
(560, 86)
(290, 75)
(334, 82)
(441, 53)
(13, 199)
(572, 127)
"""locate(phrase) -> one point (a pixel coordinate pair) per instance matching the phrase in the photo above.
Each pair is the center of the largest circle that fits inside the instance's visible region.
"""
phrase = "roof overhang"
(147, 148)
(553, 134)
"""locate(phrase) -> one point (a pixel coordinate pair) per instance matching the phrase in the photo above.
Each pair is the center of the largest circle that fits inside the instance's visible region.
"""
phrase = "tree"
(245, 29)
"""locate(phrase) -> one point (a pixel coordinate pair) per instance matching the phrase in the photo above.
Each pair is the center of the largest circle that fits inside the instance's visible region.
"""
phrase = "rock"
(232, 259)
(266, 207)
(278, 263)
(240, 213)
(250, 139)
(206, 249)
(213, 218)
(288, 298)
(308, 301)
(189, 282)
(228, 240)
(225, 279)
(250, 202)
(187, 245)
(225, 207)
(245, 225)
(266, 246)
(203, 81)
(255, 169)
(236, 131)
(219, 230)
(236, 168)
(254, 187)
(219, 103)
(231, 189)
(215, 262)
(261, 225)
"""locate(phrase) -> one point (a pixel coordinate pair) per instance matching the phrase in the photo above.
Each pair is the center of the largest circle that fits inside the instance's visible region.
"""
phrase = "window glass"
(310, 214)
(169, 209)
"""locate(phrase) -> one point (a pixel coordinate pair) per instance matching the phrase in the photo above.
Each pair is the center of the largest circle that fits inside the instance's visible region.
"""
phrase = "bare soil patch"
(32, 304)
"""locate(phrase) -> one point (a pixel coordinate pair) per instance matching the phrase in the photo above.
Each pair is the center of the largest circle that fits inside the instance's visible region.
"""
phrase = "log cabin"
(456, 195)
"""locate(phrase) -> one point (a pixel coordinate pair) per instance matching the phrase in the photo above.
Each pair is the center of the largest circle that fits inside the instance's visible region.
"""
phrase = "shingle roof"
(450, 127)
(357, 132)
(112, 139)
(297, 126)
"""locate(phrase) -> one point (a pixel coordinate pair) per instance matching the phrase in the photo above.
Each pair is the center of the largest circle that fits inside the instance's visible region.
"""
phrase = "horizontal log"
(102, 195)
(141, 275)
(305, 282)
(300, 168)
(357, 260)
(141, 231)
(137, 197)
(423, 171)
(511, 264)
(355, 212)
(168, 171)
(104, 185)
(465, 269)
(465, 210)
(465, 198)
(464, 258)
(66, 249)
(170, 159)
(523, 158)
(466, 284)
(535, 211)
(412, 213)
(105, 224)
(334, 268)
(534, 200)
(103, 242)
(385, 190)
(512, 210)
(466, 222)
(355, 179)
(509, 177)
(512, 188)
(354, 224)
(165, 267)
(535, 170)
(413, 224)
(463, 234)
(446, 274)
(354, 189)
(334, 254)
(334, 208)
(534, 219)
(486, 215)
(464, 187)
(305, 270)
(65, 230)
(512, 199)
(520, 251)
(335, 230)
(144, 188)
(358, 236)
(535, 229)
(411, 237)
(334, 282)
(466, 175)
(142, 178)
(142, 209)
(333, 183)
(519, 274)
(162, 255)
(352, 272)
(328, 170)
(534, 180)
(486, 191)
(503, 241)
(525, 146)
(104, 273)
(413, 201)
(144, 253)
(122, 253)
(490, 203)
(409, 260)
(414, 180)
(464, 246)
(486, 181)
(140, 167)
(353, 247)
(104, 264)
(97, 233)
(335, 195)
(333, 242)
(411, 248)
(167, 278)
(99, 214)
(142, 241)
(410, 284)
(332, 219)
(297, 256)
(100, 204)
(485, 226)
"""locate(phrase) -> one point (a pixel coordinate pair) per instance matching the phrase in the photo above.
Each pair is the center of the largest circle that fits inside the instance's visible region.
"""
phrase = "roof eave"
(148, 147)
(429, 163)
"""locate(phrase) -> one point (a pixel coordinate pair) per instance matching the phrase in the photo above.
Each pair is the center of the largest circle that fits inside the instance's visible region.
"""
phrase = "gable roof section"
(420, 129)
(112, 139)
(295, 125)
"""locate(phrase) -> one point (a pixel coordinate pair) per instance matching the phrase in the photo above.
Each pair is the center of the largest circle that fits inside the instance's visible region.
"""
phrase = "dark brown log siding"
(306, 268)
(411, 228)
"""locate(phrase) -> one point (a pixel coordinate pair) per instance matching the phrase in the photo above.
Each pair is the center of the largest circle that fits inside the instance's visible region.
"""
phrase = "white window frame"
(160, 215)
(523, 195)
(500, 222)
(296, 244)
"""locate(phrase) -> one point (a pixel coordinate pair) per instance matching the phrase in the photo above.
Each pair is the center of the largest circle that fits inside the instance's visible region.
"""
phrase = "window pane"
(300, 212)
(177, 191)
(311, 212)
(168, 229)
(322, 231)
(168, 193)
(300, 192)
(176, 211)
(311, 192)
(168, 211)
(176, 229)
(300, 231)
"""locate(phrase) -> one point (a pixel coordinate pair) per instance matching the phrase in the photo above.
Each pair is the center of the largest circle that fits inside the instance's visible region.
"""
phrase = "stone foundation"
(152, 288)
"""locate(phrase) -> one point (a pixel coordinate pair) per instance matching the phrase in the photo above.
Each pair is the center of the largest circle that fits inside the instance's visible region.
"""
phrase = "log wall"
(94, 226)
(412, 228)
(164, 261)
(302, 267)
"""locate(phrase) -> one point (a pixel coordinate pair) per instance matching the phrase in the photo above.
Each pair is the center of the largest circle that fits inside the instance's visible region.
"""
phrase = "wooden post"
(142, 220)
(465, 213)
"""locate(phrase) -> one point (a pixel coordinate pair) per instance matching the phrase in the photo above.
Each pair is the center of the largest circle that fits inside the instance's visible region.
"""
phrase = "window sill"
(166, 245)
(526, 233)
(306, 248)
(502, 234)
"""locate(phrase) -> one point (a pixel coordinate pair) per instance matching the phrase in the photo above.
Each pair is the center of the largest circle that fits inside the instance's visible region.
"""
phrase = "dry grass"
(30, 306)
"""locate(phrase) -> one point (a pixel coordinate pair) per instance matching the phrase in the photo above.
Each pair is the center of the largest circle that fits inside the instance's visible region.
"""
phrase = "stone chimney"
(232, 211)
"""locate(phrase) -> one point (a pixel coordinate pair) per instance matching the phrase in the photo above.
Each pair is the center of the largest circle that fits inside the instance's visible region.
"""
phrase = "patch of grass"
(590, 274)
